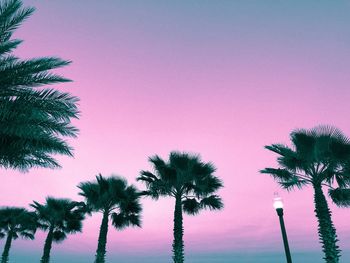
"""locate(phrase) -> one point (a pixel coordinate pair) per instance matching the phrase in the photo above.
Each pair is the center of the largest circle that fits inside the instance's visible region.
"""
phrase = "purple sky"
(219, 78)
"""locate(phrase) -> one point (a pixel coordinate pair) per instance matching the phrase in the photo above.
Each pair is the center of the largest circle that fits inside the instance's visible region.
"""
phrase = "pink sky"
(221, 79)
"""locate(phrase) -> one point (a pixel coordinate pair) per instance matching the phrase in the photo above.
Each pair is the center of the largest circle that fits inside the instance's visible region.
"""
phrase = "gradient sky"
(219, 78)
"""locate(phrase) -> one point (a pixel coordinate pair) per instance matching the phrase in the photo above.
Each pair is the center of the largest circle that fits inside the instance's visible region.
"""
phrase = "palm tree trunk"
(326, 230)
(5, 254)
(102, 239)
(47, 247)
(178, 244)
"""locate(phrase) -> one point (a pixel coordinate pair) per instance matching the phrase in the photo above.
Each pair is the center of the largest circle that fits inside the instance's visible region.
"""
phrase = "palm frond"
(150, 193)
(213, 202)
(191, 206)
(11, 17)
(146, 177)
(279, 174)
(293, 182)
(184, 176)
(74, 224)
(63, 215)
(130, 204)
(113, 194)
(320, 155)
(156, 186)
(157, 162)
(122, 220)
(33, 123)
(59, 236)
(340, 196)
(27, 235)
(288, 158)
(8, 47)
(18, 221)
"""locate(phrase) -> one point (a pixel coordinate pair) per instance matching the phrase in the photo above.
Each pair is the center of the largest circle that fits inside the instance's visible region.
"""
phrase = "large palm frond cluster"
(63, 216)
(114, 196)
(184, 176)
(18, 222)
(33, 120)
(318, 156)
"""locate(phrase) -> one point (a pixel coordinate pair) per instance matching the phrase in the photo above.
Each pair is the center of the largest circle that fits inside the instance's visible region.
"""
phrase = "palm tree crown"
(16, 222)
(190, 181)
(184, 176)
(32, 121)
(114, 199)
(319, 156)
(60, 217)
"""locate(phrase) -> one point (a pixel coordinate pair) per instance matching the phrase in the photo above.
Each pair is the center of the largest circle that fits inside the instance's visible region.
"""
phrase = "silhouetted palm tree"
(114, 199)
(190, 181)
(32, 121)
(16, 222)
(316, 158)
(60, 217)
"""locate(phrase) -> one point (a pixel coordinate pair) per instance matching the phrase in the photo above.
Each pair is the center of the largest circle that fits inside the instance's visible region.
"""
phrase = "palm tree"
(116, 201)
(33, 121)
(316, 158)
(190, 181)
(60, 217)
(16, 222)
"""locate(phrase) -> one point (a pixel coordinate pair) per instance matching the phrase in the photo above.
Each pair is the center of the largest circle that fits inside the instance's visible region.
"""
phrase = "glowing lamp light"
(278, 203)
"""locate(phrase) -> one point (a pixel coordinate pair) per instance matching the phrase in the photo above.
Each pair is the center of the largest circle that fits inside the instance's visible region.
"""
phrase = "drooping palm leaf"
(341, 197)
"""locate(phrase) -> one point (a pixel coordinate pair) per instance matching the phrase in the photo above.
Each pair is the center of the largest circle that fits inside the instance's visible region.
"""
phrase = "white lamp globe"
(277, 202)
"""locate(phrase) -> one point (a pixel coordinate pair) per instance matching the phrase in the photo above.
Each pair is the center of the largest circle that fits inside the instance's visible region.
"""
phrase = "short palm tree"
(59, 217)
(33, 121)
(116, 201)
(190, 181)
(16, 222)
(316, 158)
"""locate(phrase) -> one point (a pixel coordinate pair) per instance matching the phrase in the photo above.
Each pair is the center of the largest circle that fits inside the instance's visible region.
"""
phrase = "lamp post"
(278, 205)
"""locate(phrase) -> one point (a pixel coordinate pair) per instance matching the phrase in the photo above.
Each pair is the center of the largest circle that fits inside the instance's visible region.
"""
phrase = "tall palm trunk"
(5, 254)
(102, 239)
(326, 230)
(178, 244)
(47, 247)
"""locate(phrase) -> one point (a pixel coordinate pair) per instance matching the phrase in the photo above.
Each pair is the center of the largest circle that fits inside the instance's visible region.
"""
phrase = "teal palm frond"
(33, 121)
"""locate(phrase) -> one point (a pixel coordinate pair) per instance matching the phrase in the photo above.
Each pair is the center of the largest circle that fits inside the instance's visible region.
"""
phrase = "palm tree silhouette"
(316, 158)
(16, 222)
(60, 217)
(114, 199)
(33, 121)
(190, 181)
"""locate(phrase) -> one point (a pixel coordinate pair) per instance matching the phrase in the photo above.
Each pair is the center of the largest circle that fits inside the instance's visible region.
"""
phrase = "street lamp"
(278, 205)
